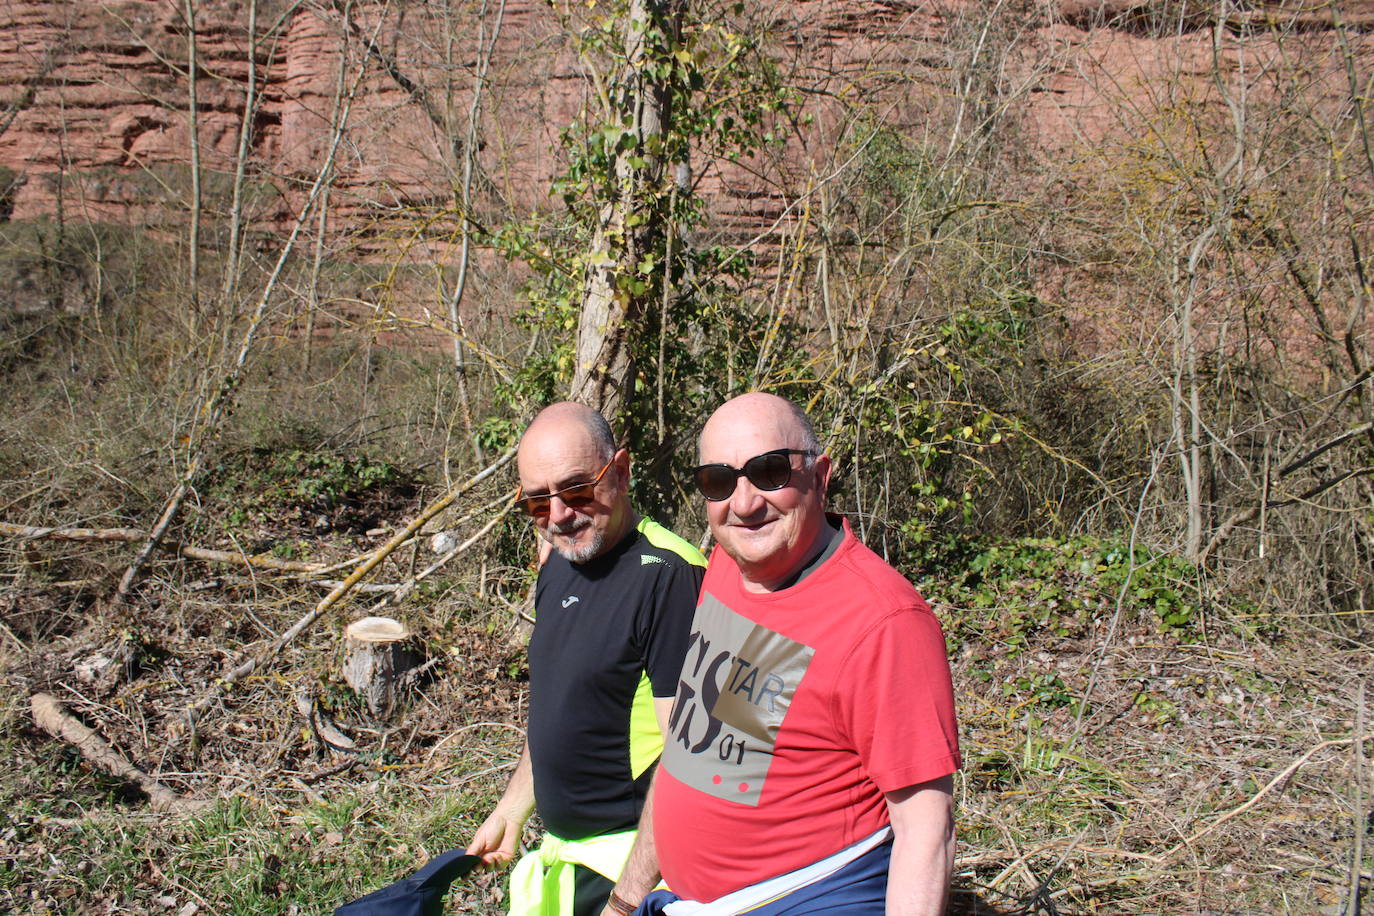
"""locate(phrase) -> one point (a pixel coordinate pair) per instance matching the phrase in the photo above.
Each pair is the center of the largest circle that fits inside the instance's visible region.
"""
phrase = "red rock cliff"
(97, 95)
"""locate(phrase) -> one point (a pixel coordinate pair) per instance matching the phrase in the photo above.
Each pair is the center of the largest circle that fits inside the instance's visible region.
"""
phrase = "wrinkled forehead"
(736, 437)
(553, 457)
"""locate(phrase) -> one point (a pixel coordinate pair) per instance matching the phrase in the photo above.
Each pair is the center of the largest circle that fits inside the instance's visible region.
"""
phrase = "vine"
(630, 206)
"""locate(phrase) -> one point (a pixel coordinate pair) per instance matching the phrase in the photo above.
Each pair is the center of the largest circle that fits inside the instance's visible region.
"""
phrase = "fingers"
(482, 843)
(499, 857)
(491, 858)
(495, 841)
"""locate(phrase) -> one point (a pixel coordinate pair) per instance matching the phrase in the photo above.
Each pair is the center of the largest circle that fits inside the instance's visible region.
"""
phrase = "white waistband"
(747, 898)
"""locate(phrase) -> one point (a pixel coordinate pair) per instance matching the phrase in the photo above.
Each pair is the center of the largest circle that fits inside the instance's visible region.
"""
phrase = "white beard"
(579, 553)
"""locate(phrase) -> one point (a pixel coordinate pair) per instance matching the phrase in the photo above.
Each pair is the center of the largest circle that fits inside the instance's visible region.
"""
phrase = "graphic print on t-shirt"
(738, 680)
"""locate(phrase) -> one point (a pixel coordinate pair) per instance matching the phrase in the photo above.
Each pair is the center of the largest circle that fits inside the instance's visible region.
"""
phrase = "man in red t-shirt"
(810, 751)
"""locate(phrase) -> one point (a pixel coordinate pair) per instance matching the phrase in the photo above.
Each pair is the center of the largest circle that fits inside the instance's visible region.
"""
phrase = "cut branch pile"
(264, 657)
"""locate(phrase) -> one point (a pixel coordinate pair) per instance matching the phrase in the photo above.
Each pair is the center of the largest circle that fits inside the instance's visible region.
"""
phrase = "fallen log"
(185, 550)
(50, 715)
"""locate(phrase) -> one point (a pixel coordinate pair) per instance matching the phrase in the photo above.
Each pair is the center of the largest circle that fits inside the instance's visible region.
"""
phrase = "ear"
(621, 461)
(823, 467)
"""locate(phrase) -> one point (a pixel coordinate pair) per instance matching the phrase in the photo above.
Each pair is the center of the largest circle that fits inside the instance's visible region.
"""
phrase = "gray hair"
(600, 432)
(808, 432)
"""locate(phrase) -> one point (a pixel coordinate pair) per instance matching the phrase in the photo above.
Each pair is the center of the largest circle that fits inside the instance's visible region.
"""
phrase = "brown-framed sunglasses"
(574, 497)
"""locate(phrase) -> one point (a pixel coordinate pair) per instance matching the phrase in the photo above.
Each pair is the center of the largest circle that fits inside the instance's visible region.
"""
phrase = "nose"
(559, 511)
(746, 500)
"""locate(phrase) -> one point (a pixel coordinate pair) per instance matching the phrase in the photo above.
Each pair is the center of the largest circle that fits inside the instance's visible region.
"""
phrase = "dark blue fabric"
(858, 888)
(422, 894)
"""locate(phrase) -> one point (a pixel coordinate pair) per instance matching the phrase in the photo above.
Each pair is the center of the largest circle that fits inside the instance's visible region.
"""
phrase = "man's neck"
(826, 536)
(629, 521)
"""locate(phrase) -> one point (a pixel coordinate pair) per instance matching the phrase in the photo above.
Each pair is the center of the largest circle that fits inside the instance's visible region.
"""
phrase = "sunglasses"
(769, 471)
(574, 497)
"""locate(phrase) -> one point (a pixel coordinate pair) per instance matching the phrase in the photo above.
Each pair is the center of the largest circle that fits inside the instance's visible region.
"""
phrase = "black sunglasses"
(769, 471)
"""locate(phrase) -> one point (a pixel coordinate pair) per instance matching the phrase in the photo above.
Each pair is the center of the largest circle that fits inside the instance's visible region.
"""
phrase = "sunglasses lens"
(768, 472)
(535, 505)
(715, 481)
(578, 496)
(573, 497)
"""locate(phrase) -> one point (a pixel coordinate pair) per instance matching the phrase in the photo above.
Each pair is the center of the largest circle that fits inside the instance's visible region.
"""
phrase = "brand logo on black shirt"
(571, 600)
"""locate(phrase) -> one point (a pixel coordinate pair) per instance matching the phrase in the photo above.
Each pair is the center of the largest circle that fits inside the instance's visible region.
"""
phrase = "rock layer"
(97, 96)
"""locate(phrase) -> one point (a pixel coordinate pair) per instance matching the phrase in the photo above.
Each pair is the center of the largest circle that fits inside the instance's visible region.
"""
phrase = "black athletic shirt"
(600, 628)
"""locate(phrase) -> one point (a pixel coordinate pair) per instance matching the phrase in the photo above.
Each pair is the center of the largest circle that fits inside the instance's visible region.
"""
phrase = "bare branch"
(53, 718)
(1268, 787)
(254, 662)
(1325, 447)
(185, 550)
(217, 406)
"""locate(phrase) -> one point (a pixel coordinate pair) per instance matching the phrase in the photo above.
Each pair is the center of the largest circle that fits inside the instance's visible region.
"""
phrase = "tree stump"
(379, 653)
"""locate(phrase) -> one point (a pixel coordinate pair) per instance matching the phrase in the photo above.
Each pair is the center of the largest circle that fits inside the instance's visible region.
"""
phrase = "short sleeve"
(902, 722)
(670, 624)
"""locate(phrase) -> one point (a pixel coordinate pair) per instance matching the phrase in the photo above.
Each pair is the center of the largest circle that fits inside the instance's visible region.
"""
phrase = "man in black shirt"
(613, 606)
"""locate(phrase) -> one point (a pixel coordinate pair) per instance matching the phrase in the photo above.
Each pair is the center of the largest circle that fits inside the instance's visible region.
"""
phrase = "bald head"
(769, 410)
(566, 447)
(567, 418)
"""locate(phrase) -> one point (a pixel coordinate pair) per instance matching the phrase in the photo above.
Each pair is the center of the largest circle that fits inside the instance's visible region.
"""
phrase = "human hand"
(496, 840)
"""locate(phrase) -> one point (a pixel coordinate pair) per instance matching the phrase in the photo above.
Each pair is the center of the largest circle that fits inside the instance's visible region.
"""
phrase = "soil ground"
(1115, 767)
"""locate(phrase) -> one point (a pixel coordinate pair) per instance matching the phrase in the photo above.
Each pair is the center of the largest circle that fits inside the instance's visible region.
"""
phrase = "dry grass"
(1215, 776)
(1211, 771)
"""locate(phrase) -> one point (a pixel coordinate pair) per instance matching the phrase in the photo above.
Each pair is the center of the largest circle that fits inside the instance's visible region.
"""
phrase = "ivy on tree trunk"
(618, 282)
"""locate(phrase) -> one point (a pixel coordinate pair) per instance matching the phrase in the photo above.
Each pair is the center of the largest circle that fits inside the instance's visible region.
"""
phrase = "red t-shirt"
(795, 712)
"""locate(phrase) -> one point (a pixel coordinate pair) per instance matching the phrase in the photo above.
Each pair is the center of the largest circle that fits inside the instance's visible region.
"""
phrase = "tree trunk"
(618, 288)
(379, 655)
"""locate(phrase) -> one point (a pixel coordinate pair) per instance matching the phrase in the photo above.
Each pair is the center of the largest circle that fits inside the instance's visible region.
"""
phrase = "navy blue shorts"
(858, 888)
